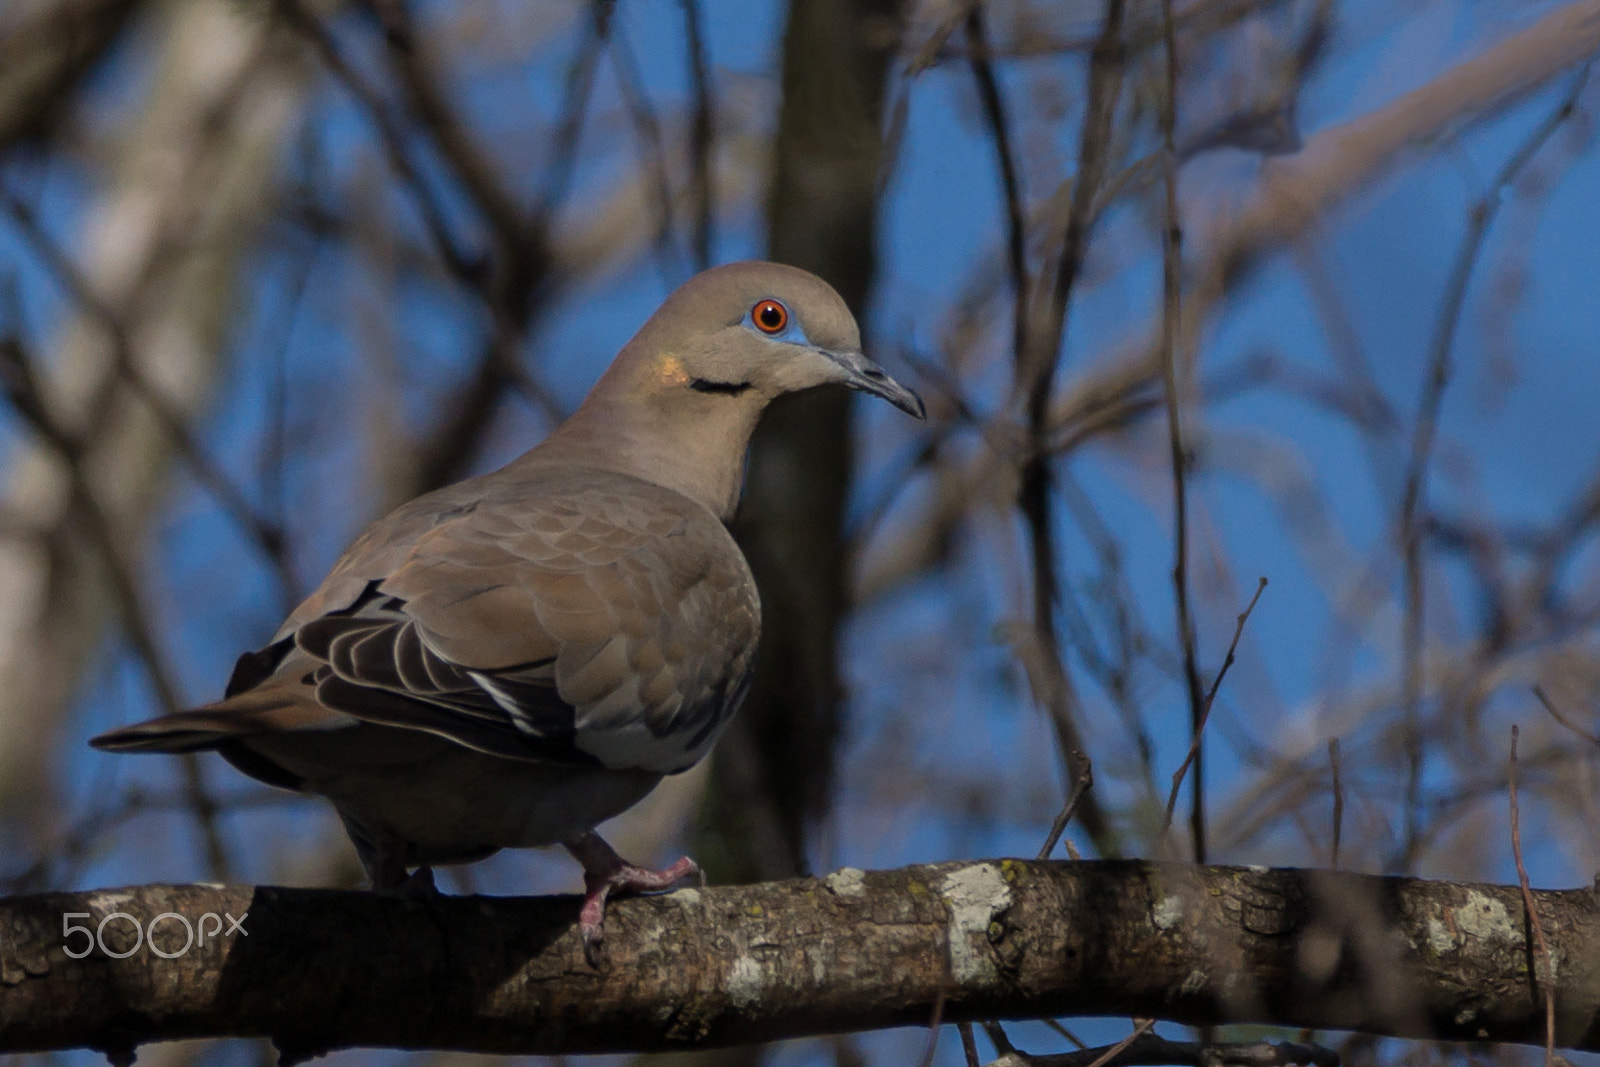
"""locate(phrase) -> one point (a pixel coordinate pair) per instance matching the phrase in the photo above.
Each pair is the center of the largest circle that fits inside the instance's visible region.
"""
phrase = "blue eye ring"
(770, 317)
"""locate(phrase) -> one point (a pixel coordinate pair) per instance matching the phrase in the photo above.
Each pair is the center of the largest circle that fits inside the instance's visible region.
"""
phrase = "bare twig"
(928, 52)
(430, 103)
(1084, 778)
(1543, 977)
(1205, 711)
(934, 1022)
(997, 1037)
(1111, 1052)
(511, 281)
(1196, 20)
(1549, 705)
(1055, 1025)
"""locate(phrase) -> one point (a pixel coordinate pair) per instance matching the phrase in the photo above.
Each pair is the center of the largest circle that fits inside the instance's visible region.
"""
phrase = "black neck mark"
(706, 385)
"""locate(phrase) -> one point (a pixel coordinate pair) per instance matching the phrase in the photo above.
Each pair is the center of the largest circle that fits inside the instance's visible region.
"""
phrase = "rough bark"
(320, 969)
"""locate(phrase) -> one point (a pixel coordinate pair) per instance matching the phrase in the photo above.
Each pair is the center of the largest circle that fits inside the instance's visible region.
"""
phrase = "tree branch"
(322, 969)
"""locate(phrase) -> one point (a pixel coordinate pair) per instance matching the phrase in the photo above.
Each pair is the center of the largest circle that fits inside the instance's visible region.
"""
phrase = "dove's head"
(746, 333)
(681, 399)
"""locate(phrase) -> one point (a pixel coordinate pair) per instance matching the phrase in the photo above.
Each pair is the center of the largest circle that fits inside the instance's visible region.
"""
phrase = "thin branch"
(1077, 1041)
(652, 152)
(1543, 978)
(464, 265)
(579, 83)
(1210, 698)
(515, 233)
(1084, 782)
(1171, 331)
(1110, 1053)
(999, 128)
(935, 1020)
(1035, 377)
(1197, 20)
(928, 52)
(997, 1037)
(1549, 706)
(45, 55)
(968, 1044)
(702, 136)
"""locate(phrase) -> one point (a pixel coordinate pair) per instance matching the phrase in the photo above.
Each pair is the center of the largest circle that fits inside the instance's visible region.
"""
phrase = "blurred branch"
(776, 766)
(513, 280)
(516, 235)
(1035, 373)
(319, 970)
(928, 51)
(1549, 706)
(1424, 431)
(1297, 191)
(702, 146)
(166, 213)
(652, 153)
(266, 535)
(1199, 19)
(1175, 395)
(21, 388)
(1150, 1050)
(64, 856)
(45, 53)
(466, 266)
(579, 84)
(999, 128)
(1295, 195)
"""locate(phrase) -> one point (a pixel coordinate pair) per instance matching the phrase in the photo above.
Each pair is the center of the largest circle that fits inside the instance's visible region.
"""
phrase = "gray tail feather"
(194, 731)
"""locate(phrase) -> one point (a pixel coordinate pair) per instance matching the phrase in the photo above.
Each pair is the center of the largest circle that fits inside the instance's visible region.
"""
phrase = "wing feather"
(574, 616)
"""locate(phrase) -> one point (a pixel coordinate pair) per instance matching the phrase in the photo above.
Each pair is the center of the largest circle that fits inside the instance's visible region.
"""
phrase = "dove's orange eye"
(770, 316)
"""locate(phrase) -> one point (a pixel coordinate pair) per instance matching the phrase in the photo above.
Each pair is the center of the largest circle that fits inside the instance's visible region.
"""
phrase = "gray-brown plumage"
(515, 658)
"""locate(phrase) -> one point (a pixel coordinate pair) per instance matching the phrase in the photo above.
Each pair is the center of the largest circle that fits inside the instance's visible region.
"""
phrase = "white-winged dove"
(513, 659)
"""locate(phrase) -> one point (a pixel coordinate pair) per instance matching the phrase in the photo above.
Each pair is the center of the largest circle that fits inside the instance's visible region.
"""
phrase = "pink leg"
(605, 873)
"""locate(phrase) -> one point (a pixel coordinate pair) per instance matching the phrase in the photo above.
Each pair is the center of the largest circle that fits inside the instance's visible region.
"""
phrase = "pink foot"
(605, 873)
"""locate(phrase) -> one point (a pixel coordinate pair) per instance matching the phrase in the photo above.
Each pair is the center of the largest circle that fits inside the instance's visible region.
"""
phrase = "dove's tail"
(254, 712)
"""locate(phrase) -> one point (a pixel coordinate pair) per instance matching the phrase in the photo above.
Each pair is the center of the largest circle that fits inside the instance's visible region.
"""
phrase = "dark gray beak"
(868, 377)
